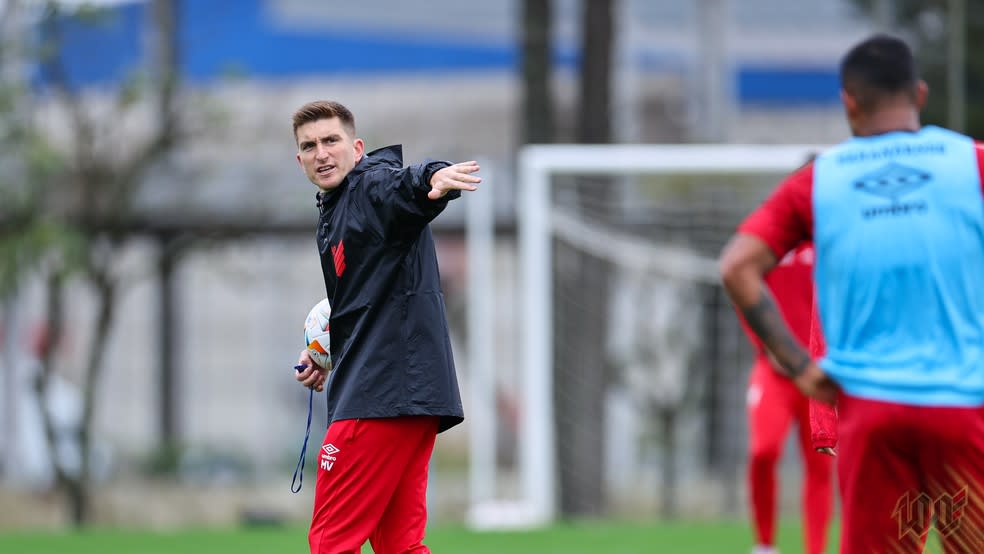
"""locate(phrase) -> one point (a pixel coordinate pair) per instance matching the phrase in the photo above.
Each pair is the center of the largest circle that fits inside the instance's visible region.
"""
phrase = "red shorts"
(372, 485)
(901, 467)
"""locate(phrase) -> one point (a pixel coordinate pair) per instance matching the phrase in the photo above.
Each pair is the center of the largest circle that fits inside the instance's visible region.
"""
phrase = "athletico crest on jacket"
(338, 256)
(390, 341)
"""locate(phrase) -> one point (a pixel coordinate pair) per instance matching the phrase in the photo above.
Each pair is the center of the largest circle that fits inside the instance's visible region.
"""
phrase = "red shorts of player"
(901, 467)
(372, 485)
(774, 403)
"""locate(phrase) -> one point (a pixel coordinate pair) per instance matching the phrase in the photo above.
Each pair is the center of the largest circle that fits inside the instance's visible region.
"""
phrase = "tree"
(67, 207)
(581, 374)
(538, 103)
(926, 24)
(595, 80)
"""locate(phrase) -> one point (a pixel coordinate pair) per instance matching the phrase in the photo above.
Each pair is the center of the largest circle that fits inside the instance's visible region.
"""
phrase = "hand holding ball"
(312, 368)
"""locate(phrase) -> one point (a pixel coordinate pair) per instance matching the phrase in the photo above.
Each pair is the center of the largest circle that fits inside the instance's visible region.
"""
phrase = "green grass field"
(586, 538)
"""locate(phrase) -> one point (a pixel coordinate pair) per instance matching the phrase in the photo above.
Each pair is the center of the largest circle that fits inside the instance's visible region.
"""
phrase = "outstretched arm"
(405, 200)
(744, 263)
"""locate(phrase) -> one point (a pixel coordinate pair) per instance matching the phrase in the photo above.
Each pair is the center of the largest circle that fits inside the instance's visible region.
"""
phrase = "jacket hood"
(387, 156)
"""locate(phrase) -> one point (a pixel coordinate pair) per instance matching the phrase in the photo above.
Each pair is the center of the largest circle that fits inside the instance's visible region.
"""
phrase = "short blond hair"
(324, 109)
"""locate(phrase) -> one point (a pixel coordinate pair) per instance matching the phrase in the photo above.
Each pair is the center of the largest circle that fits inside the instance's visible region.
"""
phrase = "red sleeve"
(823, 417)
(823, 425)
(785, 219)
(817, 346)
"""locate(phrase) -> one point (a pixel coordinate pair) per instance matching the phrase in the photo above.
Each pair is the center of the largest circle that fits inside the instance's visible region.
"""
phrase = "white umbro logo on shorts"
(327, 456)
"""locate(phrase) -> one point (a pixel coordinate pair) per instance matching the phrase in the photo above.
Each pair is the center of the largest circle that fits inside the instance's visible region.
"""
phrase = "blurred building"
(442, 78)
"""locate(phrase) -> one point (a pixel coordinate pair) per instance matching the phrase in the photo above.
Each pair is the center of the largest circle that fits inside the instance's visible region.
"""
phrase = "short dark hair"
(878, 67)
(324, 109)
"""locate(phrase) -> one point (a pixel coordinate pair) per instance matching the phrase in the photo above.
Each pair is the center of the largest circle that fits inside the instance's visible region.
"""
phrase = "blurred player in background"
(393, 386)
(897, 218)
(773, 403)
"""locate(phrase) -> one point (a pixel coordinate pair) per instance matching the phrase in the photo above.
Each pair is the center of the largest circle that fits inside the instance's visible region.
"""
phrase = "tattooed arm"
(745, 261)
(766, 321)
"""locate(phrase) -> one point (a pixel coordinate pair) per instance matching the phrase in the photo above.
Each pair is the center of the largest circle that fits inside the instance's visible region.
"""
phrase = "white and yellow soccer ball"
(316, 334)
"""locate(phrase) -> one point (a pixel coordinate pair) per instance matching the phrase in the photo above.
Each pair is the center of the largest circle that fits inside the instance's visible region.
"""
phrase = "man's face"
(327, 152)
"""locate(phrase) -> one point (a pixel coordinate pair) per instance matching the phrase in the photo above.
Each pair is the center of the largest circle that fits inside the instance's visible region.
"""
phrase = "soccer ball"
(316, 336)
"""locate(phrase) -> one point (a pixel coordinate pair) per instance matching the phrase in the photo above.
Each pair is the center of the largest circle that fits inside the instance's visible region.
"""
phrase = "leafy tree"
(67, 200)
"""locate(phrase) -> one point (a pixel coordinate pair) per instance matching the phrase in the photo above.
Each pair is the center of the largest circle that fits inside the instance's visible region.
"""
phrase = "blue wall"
(772, 85)
(224, 38)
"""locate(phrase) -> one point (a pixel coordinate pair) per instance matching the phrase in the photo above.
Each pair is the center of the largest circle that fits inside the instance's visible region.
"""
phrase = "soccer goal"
(617, 249)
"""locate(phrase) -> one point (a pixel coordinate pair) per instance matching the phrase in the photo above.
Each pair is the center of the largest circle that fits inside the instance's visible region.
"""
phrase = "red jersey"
(791, 283)
(785, 219)
(782, 221)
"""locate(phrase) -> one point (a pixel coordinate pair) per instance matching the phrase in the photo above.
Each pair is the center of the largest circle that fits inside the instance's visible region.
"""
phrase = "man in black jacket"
(393, 385)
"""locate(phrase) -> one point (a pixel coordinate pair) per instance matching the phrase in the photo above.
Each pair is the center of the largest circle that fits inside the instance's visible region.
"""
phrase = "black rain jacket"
(389, 332)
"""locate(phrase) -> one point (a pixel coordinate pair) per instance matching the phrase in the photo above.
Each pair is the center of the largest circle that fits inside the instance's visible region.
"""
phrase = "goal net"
(629, 386)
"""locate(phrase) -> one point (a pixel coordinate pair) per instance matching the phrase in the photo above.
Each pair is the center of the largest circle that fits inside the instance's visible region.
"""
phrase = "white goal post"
(537, 501)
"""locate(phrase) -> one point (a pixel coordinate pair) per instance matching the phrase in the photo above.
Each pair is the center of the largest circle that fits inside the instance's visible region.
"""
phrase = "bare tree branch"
(55, 311)
(106, 300)
(166, 125)
(83, 131)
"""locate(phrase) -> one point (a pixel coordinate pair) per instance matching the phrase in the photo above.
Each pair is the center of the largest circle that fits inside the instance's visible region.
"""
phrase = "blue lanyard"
(299, 469)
